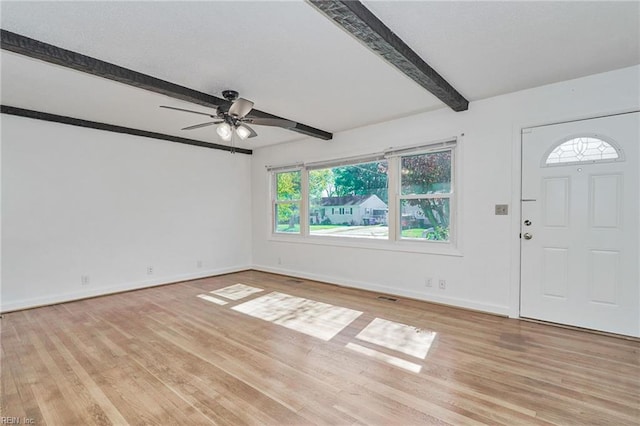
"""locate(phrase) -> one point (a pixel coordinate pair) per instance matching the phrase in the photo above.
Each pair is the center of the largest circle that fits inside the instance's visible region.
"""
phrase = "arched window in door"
(583, 149)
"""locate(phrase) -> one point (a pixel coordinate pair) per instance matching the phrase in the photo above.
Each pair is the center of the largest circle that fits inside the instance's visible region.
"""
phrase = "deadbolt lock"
(527, 222)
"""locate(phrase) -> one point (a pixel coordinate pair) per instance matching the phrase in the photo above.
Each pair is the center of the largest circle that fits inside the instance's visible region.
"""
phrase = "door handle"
(527, 236)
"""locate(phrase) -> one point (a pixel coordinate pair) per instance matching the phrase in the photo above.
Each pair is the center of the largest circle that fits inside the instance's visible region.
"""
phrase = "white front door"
(580, 233)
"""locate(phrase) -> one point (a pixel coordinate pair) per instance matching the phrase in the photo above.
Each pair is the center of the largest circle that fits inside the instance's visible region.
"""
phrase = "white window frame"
(275, 202)
(394, 242)
(449, 195)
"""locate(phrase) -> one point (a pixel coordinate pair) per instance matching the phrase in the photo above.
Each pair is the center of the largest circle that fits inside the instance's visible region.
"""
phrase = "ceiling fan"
(233, 119)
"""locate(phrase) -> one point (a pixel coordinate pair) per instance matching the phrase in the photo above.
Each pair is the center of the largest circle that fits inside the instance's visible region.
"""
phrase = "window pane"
(287, 217)
(288, 185)
(584, 149)
(425, 218)
(426, 173)
(349, 201)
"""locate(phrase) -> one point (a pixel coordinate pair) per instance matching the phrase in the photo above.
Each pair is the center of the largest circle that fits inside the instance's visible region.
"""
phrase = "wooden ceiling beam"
(56, 55)
(71, 121)
(361, 23)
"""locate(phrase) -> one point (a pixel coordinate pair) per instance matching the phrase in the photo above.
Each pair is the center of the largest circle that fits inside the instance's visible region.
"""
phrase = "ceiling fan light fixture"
(224, 131)
(243, 132)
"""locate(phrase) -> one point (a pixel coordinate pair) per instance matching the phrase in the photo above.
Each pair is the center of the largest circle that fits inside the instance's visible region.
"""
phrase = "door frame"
(516, 198)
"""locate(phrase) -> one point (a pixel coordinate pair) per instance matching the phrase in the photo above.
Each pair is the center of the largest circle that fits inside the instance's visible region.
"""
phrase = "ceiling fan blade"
(276, 122)
(240, 108)
(197, 126)
(253, 133)
(188, 110)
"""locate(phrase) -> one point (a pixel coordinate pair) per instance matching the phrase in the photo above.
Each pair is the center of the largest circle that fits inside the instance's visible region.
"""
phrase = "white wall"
(79, 202)
(485, 275)
(84, 202)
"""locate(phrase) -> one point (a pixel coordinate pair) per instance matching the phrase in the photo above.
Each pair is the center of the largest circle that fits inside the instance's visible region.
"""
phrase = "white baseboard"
(117, 288)
(444, 300)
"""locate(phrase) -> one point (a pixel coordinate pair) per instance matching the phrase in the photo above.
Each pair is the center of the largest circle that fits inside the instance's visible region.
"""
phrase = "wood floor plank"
(18, 372)
(164, 356)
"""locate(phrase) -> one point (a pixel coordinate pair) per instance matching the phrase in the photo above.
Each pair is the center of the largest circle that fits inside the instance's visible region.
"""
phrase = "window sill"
(434, 248)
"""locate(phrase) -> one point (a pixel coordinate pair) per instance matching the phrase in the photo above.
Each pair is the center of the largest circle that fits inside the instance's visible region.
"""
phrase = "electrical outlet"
(442, 284)
(84, 279)
(149, 270)
(428, 282)
(502, 209)
(199, 263)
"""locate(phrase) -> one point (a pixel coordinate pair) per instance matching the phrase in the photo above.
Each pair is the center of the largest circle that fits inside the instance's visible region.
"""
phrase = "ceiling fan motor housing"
(230, 95)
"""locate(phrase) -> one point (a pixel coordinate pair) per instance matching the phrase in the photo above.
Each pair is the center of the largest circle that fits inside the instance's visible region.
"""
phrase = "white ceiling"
(294, 63)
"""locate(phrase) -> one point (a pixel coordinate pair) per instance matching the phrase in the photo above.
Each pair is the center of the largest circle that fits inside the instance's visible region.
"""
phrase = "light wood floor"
(164, 356)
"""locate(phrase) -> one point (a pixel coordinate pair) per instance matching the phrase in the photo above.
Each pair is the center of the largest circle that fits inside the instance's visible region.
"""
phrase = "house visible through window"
(357, 195)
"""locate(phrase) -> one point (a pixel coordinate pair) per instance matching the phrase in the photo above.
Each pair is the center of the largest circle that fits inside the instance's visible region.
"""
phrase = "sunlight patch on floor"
(316, 319)
(212, 299)
(392, 360)
(236, 291)
(398, 337)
